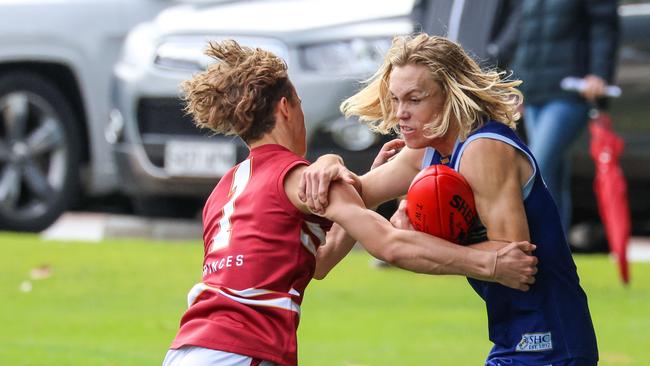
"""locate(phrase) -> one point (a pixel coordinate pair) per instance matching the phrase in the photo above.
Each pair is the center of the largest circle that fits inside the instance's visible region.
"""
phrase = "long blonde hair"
(472, 96)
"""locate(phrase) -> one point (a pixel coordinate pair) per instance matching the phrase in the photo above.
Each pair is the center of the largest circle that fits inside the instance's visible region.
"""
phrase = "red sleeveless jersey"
(259, 257)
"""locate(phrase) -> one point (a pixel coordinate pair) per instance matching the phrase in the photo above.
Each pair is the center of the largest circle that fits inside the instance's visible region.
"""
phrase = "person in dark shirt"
(559, 39)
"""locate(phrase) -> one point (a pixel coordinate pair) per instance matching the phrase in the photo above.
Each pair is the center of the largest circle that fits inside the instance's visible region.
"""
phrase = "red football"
(440, 202)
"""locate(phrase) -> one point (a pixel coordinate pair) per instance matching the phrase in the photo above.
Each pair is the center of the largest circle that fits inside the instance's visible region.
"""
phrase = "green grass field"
(119, 303)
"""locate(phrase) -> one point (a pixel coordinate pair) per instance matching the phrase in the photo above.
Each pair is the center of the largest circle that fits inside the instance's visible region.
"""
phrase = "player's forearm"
(416, 251)
(411, 250)
(423, 253)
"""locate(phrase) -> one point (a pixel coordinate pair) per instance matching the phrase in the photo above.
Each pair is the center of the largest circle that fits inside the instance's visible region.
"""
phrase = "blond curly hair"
(237, 95)
(472, 96)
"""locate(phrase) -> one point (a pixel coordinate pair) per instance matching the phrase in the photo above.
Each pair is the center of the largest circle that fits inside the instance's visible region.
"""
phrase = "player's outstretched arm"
(422, 253)
(510, 255)
(411, 250)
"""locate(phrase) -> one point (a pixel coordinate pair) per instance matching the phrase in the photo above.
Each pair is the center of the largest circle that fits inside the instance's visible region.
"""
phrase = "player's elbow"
(399, 252)
(320, 273)
(324, 265)
(389, 255)
(389, 250)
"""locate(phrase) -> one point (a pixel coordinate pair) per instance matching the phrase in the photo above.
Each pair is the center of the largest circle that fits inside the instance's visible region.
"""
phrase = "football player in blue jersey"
(450, 111)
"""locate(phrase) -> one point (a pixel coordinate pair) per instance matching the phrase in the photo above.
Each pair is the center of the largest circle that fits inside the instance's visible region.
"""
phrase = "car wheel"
(39, 152)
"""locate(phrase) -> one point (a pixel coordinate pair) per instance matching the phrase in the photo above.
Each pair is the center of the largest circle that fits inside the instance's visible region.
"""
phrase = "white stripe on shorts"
(199, 356)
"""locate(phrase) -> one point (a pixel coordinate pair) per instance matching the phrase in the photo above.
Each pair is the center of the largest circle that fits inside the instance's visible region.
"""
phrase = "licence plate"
(199, 159)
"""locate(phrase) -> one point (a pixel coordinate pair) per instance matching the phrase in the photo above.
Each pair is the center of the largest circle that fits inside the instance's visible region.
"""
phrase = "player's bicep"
(492, 169)
(291, 187)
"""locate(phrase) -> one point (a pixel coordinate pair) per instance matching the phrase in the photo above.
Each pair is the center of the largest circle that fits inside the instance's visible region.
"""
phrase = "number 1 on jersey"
(239, 182)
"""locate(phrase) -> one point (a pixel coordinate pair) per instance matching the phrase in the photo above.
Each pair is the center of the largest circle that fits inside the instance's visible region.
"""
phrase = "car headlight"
(350, 57)
(182, 55)
(186, 53)
(352, 135)
(138, 46)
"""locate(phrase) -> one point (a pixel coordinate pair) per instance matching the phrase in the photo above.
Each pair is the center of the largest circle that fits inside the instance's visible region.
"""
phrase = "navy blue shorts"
(505, 361)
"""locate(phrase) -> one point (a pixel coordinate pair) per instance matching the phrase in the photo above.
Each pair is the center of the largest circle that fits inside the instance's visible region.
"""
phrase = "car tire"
(39, 152)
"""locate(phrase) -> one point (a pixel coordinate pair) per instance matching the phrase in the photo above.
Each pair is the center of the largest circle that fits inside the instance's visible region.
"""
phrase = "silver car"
(328, 45)
(56, 61)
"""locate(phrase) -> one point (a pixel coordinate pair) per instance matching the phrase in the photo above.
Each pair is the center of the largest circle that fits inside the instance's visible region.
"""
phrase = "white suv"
(56, 60)
(328, 45)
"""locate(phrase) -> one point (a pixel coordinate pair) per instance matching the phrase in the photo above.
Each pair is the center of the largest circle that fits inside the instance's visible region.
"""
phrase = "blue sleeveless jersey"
(551, 321)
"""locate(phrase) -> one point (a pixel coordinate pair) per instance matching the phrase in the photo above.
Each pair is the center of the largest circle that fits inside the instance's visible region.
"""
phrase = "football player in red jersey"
(260, 239)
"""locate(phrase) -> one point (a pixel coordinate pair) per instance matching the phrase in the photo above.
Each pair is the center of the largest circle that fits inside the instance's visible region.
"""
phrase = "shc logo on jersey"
(535, 342)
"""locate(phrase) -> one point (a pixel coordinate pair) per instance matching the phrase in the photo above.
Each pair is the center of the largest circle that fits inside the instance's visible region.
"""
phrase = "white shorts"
(199, 356)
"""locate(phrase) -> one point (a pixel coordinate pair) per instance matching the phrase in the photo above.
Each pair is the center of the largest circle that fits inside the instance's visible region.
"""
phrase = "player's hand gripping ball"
(440, 202)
